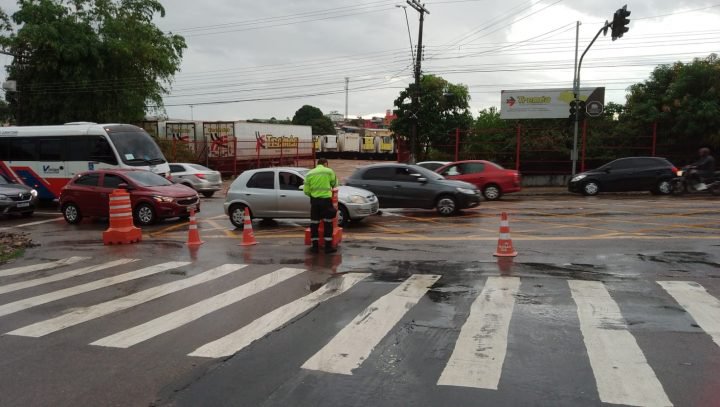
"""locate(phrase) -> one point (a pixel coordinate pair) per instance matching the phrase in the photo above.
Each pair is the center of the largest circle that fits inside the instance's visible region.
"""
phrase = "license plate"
(23, 204)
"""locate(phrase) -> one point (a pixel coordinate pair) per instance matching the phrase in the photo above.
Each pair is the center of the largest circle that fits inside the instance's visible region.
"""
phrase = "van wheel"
(71, 213)
(446, 205)
(145, 214)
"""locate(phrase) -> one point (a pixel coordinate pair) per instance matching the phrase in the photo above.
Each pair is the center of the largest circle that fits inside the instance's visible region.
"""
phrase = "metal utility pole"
(420, 8)
(347, 90)
(576, 94)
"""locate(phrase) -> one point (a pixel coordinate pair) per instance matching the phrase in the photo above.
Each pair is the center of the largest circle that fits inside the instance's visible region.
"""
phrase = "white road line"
(41, 266)
(703, 307)
(80, 315)
(173, 320)
(277, 318)
(479, 353)
(40, 222)
(83, 288)
(62, 276)
(621, 371)
(353, 344)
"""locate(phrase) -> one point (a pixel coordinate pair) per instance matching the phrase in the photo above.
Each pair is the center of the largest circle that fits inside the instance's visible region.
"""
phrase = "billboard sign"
(544, 103)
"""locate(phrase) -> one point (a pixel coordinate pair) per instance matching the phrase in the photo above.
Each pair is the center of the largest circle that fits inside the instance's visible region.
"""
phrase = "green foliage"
(684, 99)
(89, 60)
(443, 108)
(312, 116)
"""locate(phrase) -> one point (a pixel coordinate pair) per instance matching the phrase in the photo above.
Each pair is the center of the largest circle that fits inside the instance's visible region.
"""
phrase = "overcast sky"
(262, 59)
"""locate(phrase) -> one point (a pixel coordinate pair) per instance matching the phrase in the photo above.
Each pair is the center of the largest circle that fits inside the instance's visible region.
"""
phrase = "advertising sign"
(544, 103)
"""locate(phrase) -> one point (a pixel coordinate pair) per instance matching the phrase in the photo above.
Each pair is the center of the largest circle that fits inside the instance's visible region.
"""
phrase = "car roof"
(277, 168)
(113, 170)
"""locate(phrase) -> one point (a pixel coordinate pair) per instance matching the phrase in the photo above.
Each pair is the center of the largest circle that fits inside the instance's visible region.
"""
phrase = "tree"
(96, 60)
(443, 108)
(682, 98)
(312, 116)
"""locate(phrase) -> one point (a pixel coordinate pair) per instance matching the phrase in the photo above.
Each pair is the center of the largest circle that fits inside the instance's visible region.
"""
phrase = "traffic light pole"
(577, 96)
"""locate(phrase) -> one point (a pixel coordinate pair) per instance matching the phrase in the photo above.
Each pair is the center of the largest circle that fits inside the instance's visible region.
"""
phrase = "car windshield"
(147, 179)
(427, 173)
(136, 148)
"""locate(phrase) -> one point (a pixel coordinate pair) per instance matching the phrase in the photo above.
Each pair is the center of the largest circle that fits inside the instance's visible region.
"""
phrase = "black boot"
(330, 249)
(314, 248)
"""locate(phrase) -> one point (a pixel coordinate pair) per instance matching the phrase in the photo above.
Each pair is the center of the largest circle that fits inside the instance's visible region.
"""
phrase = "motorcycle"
(684, 183)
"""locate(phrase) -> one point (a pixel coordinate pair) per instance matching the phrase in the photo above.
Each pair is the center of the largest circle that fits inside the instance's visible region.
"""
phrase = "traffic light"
(620, 22)
(573, 110)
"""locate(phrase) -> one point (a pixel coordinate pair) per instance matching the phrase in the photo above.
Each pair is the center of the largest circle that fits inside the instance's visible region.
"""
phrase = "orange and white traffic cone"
(248, 235)
(505, 245)
(193, 232)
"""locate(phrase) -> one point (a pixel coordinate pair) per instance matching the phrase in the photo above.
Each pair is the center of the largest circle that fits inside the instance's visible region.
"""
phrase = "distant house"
(335, 116)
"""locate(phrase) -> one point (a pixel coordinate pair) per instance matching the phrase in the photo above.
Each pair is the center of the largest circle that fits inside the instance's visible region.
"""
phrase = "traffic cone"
(248, 235)
(121, 230)
(505, 245)
(193, 232)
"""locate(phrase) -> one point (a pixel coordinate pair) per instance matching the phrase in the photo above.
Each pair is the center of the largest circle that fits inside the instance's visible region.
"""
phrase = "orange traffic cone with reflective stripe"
(193, 232)
(248, 235)
(505, 245)
(121, 230)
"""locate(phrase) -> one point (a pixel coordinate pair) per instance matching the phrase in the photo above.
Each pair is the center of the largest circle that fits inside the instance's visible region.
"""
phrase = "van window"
(51, 149)
(101, 150)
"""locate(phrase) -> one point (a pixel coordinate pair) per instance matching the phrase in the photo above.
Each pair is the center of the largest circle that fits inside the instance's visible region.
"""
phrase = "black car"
(626, 174)
(16, 198)
(410, 186)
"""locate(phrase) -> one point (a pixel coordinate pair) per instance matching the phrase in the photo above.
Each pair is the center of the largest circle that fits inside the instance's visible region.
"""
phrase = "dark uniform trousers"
(321, 209)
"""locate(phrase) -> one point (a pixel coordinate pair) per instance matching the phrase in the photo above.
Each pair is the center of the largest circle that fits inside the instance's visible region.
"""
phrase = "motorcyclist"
(702, 169)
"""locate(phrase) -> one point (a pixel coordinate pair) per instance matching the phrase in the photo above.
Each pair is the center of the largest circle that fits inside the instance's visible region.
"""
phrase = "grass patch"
(10, 253)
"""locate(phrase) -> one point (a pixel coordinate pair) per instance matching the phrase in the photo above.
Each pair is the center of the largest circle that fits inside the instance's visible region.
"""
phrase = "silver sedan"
(276, 193)
(197, 177)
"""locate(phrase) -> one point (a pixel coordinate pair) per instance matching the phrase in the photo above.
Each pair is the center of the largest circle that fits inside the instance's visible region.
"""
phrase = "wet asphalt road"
(585, 315)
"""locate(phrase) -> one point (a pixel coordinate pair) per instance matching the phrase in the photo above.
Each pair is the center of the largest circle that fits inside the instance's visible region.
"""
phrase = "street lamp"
(407, 23)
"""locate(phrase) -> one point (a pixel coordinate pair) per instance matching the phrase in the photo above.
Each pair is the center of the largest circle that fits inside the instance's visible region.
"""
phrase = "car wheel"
(492, 192)
(715, 189)
(208, 194)
(145, 214)
(27, 214)
(71, 213)
(236, 214)
(446, 205)
(663, 188)
(591, 188)
(677, 187)
(343, 216)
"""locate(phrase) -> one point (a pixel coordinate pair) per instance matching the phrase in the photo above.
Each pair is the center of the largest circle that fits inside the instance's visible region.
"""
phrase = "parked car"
(16, 198)
(410, 186)
(152, 196)
(197, 177)
(272, 193)
(492, 179)
(432, 165)
(626, 174)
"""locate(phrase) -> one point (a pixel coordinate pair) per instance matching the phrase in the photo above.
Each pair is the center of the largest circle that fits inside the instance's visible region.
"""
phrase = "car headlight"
(4, 197)
(33, 192)
(163, 198)
(466, 191)
(680, 173)
(578, 177)
(357, 199)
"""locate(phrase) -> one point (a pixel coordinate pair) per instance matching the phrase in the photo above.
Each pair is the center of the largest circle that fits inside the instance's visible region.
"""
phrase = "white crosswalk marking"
(703, 307)
(621, 371)
(166, 323)
(83, 288)
(479, 353)
(41, 266)
(271, 321)
(352, 345)
(21, 285)
(81, 315)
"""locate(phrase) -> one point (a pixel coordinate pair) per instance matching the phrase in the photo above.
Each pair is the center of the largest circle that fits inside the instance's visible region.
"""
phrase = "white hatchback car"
(276, 193)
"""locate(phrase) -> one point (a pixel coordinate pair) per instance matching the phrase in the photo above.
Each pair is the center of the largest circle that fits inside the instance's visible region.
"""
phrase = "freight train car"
(369, 144)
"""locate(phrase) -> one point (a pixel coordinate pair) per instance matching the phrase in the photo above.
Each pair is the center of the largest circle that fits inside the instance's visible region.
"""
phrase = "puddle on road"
(673, 257)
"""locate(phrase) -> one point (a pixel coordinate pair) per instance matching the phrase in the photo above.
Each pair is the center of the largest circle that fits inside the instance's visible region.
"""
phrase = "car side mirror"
(126, 187)
(422, 179)
(301, 187)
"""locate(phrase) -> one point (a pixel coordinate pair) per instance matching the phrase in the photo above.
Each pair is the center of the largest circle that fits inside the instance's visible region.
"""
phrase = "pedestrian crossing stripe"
(620, 368)
(41, 266)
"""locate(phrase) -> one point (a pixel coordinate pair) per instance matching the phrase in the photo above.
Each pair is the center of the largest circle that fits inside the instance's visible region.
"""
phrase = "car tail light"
(200, 175)
(674, 170)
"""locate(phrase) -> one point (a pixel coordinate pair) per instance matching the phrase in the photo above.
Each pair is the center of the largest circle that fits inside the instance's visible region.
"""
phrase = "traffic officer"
(319, 183)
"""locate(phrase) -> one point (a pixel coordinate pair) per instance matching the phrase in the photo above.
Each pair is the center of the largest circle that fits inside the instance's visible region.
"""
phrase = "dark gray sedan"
(16, 198)
(410, 186)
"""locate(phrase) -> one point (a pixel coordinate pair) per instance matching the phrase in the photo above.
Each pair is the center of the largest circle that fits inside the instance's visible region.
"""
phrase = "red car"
(490, 178)
(152, 196)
